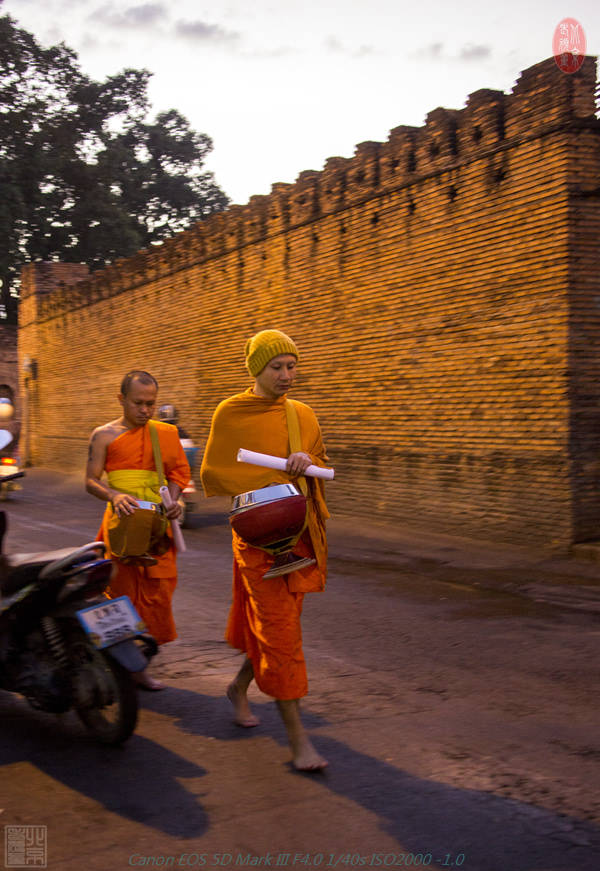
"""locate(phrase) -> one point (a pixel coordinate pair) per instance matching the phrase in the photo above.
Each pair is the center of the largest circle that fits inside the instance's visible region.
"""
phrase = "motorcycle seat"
(18, 559)
(52, 560)
(59, 563)
(20, 576)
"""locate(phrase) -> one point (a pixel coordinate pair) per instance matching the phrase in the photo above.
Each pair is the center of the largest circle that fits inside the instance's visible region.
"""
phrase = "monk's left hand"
(298, 463)
(174, 511)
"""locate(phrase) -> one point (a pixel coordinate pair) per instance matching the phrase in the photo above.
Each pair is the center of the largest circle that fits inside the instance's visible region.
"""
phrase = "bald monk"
(264, 620)
(123, 449)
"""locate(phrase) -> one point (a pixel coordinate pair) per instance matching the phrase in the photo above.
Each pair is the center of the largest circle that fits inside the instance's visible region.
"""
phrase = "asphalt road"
(453, 691)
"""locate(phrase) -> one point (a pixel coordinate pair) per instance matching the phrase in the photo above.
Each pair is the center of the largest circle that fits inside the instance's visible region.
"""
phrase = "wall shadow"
(140, 782)
(493, 832)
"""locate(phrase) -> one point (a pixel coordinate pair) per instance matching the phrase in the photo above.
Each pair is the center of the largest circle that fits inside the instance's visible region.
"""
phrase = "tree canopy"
(84, 176)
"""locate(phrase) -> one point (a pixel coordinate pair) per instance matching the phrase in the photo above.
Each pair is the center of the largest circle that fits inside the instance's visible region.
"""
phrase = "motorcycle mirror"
(5, 438)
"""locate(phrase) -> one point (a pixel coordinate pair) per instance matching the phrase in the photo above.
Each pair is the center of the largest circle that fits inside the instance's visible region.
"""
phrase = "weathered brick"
(442, 286)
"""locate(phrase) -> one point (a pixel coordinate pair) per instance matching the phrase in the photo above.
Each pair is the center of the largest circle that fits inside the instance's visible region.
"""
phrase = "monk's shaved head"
(137, 375)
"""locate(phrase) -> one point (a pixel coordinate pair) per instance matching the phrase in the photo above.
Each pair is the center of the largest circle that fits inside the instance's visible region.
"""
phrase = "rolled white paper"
(175, 528)
(280, 463)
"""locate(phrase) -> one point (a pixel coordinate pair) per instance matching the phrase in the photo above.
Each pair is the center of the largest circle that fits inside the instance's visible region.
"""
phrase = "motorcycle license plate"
(111, 621)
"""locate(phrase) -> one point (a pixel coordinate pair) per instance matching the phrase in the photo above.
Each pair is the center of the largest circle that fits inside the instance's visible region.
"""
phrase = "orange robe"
(149, 588)
(264, 620)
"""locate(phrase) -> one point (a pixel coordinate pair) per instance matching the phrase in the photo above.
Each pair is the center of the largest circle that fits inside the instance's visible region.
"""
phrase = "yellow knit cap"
(264, 346)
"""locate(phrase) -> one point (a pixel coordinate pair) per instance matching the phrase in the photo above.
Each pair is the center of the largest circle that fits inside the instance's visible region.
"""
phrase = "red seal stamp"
(569, 45)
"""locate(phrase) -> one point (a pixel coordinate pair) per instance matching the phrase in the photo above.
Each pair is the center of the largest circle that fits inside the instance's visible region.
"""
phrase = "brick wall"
(443, 289)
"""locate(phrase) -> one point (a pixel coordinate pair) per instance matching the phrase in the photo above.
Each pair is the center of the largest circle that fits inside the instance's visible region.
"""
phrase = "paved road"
(453, 690)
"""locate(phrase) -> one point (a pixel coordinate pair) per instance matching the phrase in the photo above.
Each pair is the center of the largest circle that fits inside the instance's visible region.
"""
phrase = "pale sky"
(281, 85)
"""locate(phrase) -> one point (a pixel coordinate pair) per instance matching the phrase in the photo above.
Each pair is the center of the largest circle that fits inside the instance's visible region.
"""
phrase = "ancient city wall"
(443, 289)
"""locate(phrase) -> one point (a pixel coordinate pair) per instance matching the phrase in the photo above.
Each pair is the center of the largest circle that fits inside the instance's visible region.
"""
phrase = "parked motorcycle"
(188, 496)
(64, 645)
(10, 469)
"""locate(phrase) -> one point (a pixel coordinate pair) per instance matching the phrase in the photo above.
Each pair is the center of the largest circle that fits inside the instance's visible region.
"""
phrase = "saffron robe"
(150, 588)
(264, 619)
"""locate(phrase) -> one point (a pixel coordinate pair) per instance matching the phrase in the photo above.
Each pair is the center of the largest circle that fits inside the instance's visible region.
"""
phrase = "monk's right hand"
(123, 503)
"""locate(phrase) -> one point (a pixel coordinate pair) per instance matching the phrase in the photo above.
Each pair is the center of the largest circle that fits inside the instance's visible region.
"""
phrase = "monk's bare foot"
(145, 682)
(243, 715)
(306, 758)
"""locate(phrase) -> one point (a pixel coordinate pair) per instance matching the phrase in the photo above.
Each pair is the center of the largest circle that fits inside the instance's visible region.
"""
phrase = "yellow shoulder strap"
(293, 425)
(157, 454)
(295, 445)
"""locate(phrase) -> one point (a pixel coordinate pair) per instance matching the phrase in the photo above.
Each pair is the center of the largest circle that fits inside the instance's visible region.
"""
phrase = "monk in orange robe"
(264, 620)
(123, 449)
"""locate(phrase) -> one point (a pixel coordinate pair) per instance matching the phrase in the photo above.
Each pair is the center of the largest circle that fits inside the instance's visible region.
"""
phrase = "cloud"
(143, 15)
(333, 44)
(200, 31)
(365, 51)
(437, 51)
(474, 52)
(433, 51)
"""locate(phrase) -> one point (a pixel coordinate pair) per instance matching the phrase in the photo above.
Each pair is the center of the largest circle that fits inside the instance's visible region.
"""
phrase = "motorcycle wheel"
(114, 718)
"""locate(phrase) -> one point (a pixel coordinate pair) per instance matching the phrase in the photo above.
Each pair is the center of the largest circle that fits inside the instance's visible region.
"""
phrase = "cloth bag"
(137, 538)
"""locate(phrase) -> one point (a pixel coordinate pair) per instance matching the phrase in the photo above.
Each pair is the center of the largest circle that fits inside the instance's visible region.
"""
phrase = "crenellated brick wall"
(442, 286)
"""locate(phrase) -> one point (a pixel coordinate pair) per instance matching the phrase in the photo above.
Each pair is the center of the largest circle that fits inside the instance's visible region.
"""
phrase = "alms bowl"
(268, 516)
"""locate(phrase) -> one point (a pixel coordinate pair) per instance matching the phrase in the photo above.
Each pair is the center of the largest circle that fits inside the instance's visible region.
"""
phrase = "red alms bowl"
(270, 516)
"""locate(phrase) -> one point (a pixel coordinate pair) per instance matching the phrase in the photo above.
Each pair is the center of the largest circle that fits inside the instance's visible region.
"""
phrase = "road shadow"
(138, 781)
(493, 833)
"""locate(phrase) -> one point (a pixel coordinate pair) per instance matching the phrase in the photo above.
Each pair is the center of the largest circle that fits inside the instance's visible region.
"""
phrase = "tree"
(84, 177)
